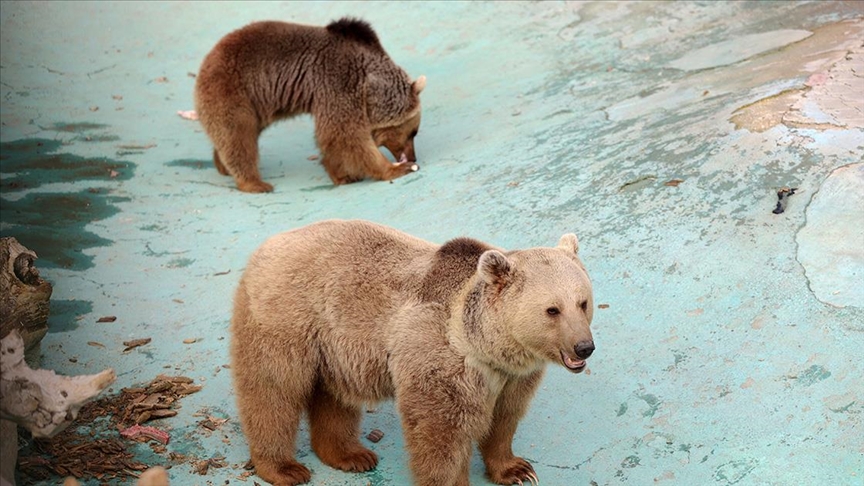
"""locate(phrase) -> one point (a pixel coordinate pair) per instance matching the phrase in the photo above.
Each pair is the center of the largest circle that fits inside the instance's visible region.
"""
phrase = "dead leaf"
(226, 272)
(603, 306)
(95, 344)
(190, 340)
(190, 74)
(130, 345)
(117, 97)
(673, 182)
(161, 79)
(312, 157)
(375, 435)
(107, 319)
(94, 108)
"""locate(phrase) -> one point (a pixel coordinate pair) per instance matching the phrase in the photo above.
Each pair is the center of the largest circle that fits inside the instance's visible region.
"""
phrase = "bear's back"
(338, 265)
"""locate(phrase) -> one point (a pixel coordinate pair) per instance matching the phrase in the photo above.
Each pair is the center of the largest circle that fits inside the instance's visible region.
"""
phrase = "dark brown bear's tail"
(356, 30)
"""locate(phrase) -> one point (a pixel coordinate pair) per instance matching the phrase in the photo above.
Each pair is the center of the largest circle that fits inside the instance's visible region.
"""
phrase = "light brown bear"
(268, 71)
(334, 315)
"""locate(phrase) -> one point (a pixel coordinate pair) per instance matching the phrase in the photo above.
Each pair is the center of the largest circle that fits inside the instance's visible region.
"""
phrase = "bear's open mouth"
(575, 365)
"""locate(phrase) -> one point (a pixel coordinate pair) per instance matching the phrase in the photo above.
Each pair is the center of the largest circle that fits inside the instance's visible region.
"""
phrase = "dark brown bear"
(269, 71)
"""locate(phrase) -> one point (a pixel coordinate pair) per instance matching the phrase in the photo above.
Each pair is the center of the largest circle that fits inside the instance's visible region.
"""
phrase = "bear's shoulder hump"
(356, 30)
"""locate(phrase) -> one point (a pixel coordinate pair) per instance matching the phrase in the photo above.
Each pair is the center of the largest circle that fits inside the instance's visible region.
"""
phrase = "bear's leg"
(236, 141)
(349, 157)
(335, 431)
(270, 409)
(270, 420)
(496, 447)
(440, 453)
(218, 163)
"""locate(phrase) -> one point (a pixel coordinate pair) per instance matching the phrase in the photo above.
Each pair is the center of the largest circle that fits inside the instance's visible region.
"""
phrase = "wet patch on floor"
(54, 224)
(198, 164)
(30, 163)
(65, 314)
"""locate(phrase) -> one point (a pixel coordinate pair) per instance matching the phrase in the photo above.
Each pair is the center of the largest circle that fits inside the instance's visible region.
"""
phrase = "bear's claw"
(518, 473)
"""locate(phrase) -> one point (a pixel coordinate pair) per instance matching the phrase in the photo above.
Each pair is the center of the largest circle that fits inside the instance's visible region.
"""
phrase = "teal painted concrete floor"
(729, 352)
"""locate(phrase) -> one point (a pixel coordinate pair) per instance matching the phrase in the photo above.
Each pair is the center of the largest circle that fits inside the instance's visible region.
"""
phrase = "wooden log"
(24, 296)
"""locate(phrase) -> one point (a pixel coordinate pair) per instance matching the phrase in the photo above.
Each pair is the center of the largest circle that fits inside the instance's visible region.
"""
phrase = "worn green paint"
(191, 163)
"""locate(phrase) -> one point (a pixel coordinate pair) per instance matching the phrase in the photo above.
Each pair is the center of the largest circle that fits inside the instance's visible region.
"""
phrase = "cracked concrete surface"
(658, 132)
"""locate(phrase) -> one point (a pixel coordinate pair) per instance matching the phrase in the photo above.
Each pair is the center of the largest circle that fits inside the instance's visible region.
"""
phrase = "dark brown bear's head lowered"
(398, 135)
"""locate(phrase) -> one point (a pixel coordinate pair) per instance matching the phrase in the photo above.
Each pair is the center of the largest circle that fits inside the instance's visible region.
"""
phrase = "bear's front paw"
(288, 473)
(254, 186)
(515, 471)
(399, 169)
(355, 460)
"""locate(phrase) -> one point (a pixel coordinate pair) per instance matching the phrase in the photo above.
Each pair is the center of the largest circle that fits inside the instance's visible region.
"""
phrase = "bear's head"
(531, 306)
(396, 121)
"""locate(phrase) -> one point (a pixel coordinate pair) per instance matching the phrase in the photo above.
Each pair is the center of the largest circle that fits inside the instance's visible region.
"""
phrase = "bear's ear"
(494, 267)
(569, 242)
(419, 84)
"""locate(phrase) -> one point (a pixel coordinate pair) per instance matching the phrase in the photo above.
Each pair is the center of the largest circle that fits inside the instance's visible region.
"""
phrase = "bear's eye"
(553, 311)
(413, 134)
(584, 306)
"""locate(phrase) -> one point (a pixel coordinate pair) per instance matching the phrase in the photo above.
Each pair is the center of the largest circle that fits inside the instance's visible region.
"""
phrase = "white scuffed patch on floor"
(737, 49)
(831, 243)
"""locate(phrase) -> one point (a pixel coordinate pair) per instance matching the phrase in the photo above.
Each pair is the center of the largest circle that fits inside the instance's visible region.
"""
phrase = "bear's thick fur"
(268, 71)
(337, 314)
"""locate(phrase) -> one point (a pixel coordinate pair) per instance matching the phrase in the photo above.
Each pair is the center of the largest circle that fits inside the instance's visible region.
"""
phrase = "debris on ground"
(312, 157)
(673, 182)
(212, 423)
(201, 467)
(137, 431)
(82, 457)
(603, 306)
(130, 345)
(94, 446)
(375, 435)
(95, 344)
(107, 319)
(188, 114)
(782, 198)
(190, 340)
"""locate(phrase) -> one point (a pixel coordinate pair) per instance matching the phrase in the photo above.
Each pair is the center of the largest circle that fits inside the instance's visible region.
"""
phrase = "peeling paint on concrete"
(735, 50)
(831, 243)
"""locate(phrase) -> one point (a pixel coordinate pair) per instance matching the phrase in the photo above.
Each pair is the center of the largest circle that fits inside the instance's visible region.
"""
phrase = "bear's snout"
(584, 349)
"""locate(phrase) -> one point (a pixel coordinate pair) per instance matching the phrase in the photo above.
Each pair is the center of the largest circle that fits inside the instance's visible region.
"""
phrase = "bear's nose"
(584, 349)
